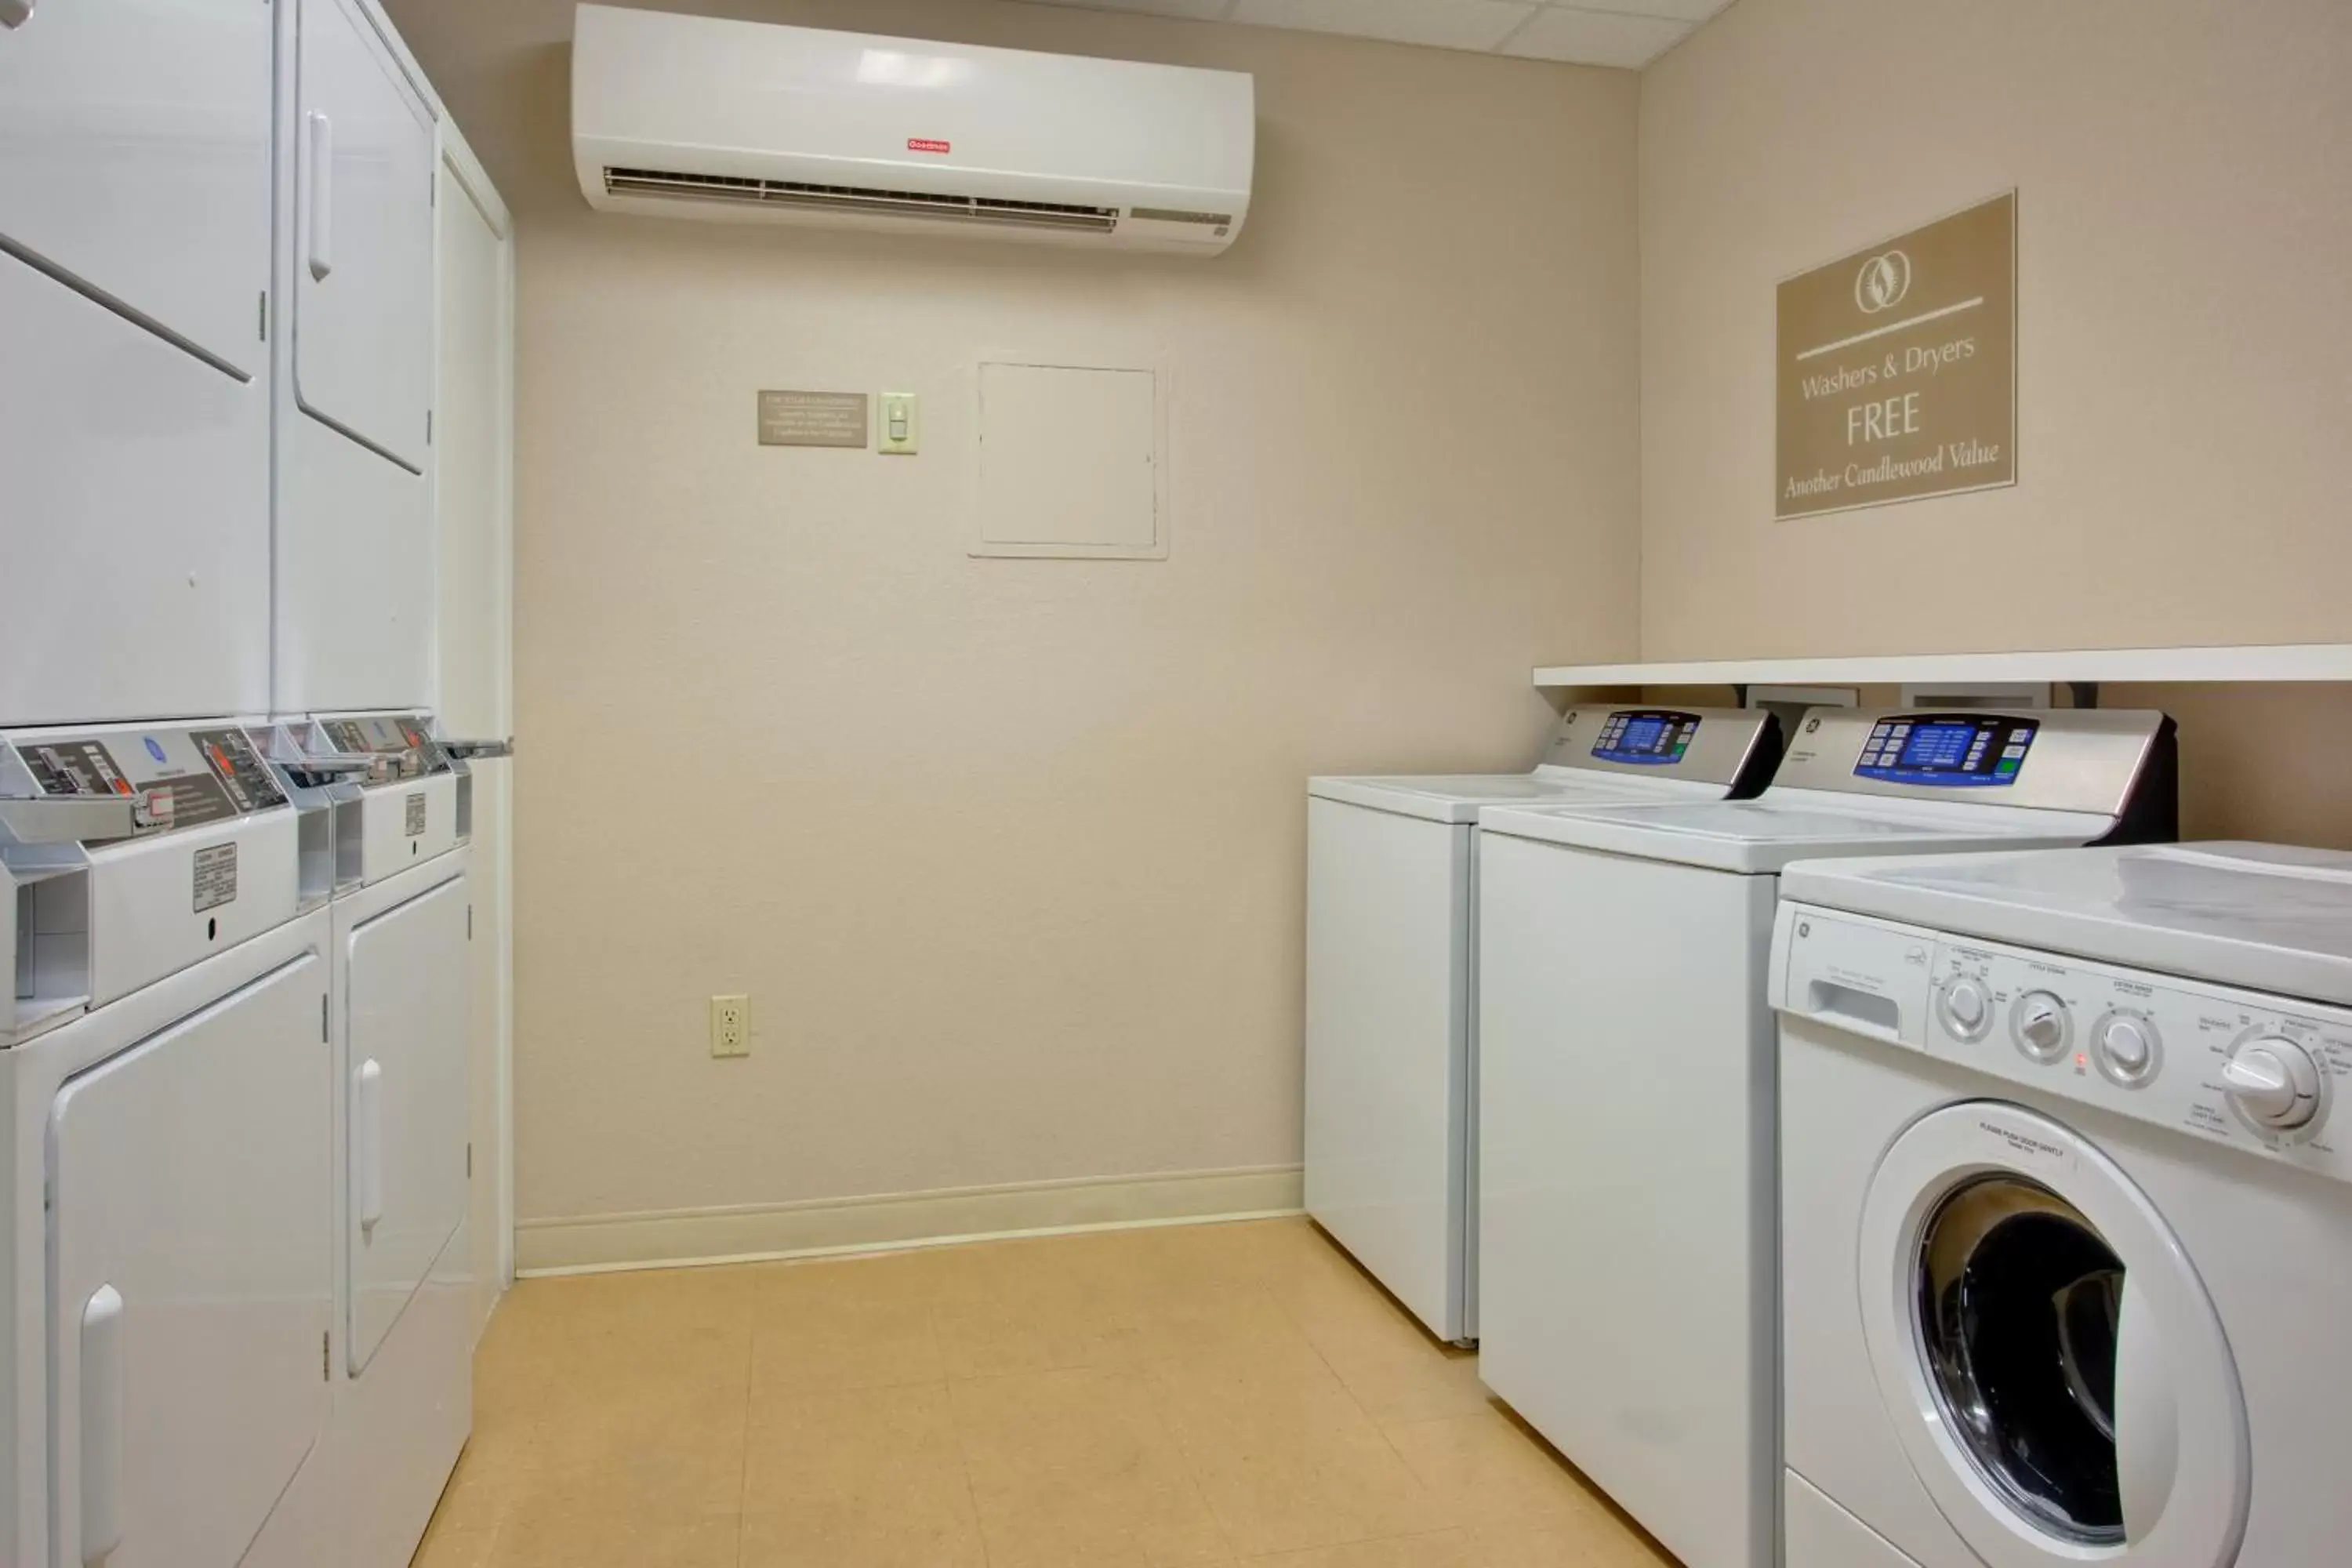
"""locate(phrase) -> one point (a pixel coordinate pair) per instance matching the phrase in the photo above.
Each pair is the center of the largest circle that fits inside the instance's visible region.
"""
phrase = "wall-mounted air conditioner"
(696, 117)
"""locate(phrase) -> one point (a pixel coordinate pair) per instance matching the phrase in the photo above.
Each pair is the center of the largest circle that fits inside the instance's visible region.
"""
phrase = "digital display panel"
(1947, 748)
(1645, 737)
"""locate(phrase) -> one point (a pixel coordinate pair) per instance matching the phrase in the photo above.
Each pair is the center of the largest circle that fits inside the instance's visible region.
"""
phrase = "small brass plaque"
(1897, 368)
(813, 418)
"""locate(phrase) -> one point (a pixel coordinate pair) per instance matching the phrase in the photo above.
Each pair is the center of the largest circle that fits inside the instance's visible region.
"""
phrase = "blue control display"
(1952, 750)
(1645, 737)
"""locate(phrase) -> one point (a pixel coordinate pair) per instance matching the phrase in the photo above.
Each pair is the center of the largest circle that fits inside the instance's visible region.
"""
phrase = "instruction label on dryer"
(215, 876)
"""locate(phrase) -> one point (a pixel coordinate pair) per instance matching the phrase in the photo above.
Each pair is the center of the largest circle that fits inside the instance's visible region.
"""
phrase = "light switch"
(901, 428)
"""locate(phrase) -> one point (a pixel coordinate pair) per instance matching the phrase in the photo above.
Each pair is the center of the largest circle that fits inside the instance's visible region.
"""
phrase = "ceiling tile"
(1447, 24)
(1200, 10)
(1680, 10)
(1596, 37)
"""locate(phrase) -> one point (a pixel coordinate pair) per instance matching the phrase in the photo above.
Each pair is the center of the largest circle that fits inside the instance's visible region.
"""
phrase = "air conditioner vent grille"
(856, 198)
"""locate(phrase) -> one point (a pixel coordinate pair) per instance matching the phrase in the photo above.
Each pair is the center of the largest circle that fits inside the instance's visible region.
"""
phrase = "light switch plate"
(901, 424)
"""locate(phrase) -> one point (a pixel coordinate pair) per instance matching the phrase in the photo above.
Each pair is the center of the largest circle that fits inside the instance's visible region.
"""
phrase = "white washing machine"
(2068, 1246)
(165, 1074)
(1391, 877)
(1628, 1293)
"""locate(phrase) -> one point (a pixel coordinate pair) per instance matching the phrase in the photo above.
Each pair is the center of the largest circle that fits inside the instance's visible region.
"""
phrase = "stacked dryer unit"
(233, 1058)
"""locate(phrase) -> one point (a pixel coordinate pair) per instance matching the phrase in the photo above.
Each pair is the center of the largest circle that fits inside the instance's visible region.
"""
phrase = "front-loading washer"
(2067, 1246)
(1391, 1027)
(1627, 1212)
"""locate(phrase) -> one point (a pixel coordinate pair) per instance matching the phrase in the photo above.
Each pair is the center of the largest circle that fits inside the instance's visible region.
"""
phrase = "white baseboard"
(754, 1232)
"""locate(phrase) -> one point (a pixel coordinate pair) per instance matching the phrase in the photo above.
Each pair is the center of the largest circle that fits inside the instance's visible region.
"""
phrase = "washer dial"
(2042, 1026)
(2274, 1083)
(1966, 1008)
(2127, 1047)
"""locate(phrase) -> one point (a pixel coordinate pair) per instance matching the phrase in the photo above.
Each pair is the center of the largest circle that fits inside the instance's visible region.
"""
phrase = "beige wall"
(2185, 324)
(1007, 853)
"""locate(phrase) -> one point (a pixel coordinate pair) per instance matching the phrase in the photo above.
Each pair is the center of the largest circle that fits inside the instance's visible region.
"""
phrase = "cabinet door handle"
(322, 195)
(16, 13)
(102, 1395)
(367, 1130)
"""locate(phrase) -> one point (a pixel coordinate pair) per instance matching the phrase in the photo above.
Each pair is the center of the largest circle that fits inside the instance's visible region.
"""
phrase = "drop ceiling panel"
(1626, 33)
(1446, 24)
(1595, 38)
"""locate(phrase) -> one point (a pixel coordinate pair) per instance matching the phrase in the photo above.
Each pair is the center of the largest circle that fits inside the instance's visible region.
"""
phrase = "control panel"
(1947, 749)
(1647, 737)
(175, 777)
(2104, 761)
(2224, 1066)
(400, 745)
(1734, 748)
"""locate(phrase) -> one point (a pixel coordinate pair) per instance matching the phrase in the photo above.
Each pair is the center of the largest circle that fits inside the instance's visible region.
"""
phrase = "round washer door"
(2043, 1345)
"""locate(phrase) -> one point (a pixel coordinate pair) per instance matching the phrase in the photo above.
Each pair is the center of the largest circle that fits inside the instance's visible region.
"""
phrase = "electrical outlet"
(731, 1025)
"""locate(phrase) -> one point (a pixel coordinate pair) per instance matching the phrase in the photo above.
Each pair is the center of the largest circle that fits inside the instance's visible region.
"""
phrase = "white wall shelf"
(2276, 662)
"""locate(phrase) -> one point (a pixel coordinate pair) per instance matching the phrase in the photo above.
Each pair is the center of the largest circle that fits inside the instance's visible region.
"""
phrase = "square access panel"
(1071, 461)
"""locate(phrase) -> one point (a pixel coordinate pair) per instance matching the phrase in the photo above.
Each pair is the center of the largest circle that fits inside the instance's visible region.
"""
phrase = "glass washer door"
(2047, 1354)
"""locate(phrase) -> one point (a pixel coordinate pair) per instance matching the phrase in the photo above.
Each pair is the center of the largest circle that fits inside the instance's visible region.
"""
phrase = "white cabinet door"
(406, 1080)
(191, 1279)
(134, 412)
(363, 236)
(134, 161)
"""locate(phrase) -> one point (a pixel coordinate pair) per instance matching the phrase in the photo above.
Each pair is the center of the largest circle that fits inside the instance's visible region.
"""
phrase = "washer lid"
(1457, 797)
(1762, 835)
(2262, 916)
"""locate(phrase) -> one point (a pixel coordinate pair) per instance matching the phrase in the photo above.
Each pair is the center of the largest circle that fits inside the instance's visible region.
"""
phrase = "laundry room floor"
(1215, 1393)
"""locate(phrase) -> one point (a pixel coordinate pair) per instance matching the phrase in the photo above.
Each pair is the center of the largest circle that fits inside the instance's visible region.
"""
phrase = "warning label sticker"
(415, 816)
(215, 876)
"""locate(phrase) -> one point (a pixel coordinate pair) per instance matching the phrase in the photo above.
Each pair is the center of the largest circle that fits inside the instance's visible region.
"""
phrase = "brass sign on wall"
(1897, 368)
(811, 419)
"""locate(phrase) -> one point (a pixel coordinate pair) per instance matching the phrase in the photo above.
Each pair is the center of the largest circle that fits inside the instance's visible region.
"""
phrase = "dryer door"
(2047, 1351)
(191, 1280)
(409, 1104)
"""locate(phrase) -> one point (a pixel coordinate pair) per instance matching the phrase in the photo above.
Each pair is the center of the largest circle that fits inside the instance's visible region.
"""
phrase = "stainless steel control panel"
(1734, 747)
(2061, 759)
(2223, 1066)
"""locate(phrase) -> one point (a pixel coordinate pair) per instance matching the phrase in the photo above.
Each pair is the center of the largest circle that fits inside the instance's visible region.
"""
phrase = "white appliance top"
(2264, 916)
(1860, 780)
(1760, 837)
(1597, 756)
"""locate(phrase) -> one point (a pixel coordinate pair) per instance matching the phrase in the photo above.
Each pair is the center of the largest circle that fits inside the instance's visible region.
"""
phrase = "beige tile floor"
(1224, 1393)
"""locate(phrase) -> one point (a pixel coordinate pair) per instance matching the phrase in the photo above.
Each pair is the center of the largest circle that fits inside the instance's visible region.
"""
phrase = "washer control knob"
(2274, 1081)
(1967, 1008)
(2128, 1046)
(2041, 1023)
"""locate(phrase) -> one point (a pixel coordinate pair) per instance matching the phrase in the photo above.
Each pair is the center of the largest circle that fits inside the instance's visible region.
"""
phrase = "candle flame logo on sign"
(1881, 282)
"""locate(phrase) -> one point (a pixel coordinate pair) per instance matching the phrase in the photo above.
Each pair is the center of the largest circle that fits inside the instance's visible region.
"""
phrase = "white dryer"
(1626, 1078)
(1392, 877)
(2067, 1254)
(400, 976)
(164, 1192)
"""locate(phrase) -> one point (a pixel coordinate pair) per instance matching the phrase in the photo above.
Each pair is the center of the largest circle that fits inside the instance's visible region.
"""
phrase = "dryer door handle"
(367, 1139)
(2148, 1416)
(102, 1418)
(320, 218)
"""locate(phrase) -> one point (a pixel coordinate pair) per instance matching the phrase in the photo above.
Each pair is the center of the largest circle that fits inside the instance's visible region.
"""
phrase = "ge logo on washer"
(1881, 282)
